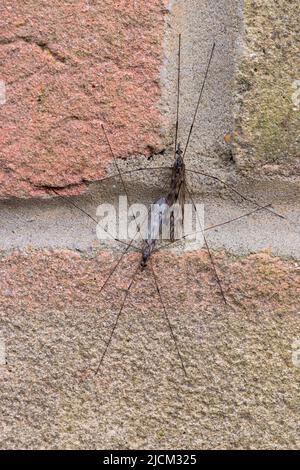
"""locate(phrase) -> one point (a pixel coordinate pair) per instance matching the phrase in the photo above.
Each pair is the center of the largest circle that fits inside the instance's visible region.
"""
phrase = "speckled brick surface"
(68, 67)
(242, 389)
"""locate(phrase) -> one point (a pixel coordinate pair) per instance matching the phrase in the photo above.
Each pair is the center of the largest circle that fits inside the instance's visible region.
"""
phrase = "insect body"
(163, 205)
(156, 222)
(177, 178)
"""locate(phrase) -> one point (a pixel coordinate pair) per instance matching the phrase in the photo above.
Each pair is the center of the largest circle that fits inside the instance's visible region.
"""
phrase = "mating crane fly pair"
(177, 192)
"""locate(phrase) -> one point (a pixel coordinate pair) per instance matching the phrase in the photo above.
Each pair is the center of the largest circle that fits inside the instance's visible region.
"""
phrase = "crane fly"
(176, 193)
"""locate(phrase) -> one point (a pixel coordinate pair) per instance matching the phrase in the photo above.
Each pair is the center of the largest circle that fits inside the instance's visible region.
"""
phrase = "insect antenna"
(167, 318)
(199, 99)
(178, 93)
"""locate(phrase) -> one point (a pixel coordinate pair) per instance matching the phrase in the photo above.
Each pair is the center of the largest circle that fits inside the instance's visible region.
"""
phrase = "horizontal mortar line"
(55, 225)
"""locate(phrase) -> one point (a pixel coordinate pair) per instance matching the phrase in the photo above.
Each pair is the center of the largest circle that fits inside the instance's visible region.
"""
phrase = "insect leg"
(172, 227)
(168, 319)
(212, 227)
(117, 320)
(208, 249)
(71, 203)
(267, 207)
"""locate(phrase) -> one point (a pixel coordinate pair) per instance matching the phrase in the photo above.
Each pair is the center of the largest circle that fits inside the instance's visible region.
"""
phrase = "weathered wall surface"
(268, 113)
(69, 67)
(242, 389)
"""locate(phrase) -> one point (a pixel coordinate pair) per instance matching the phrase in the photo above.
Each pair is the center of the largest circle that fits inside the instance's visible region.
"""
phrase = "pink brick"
(68, 67)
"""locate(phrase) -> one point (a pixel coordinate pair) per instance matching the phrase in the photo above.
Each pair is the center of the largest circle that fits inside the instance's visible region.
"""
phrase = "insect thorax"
(178, 177)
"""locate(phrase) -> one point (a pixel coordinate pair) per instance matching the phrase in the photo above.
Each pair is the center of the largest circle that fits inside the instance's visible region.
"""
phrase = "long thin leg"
(168, 319)
(208, 249)
(127, 195)
(100, 180)
(118, 263)
(119, 172)
(199, 99)
(172, 227)
(129, 245)
(258, 209)
(182, 202)
(116, 321)
(212, 227)
(115, 162)
(236, 192)
(123, 254)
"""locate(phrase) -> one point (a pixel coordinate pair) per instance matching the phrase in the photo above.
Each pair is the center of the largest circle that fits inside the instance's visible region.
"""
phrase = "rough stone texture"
(68, 67)
(242, 389)
(268, 118)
